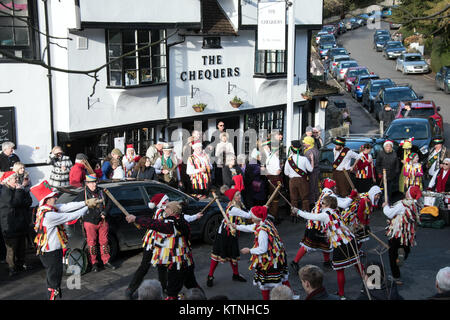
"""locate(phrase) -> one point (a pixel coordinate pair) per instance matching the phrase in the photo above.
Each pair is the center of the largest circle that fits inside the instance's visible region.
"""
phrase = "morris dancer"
(268, 253)
(341, 240)
(357, 216)
(51, 237)
(342, 158)
(413, 171)
(314, 238)
(226, 245)
(199, 170)
(173, 250)
(365, 169)
(401, 231)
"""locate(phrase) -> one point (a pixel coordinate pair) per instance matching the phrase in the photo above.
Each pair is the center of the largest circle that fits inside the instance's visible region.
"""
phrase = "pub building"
(204, 51)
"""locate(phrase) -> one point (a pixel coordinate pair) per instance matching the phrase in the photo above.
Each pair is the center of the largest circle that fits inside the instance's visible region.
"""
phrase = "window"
(211, 43)
(270, 62)
(16, 36)
(171, 193)
(270, 121)
(147, 66)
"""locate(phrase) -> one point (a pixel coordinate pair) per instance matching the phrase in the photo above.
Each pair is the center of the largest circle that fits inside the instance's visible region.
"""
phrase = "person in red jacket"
(365, 169)
(77, 173)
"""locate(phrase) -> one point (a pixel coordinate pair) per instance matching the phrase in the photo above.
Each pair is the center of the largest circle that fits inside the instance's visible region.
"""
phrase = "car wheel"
(210, 229)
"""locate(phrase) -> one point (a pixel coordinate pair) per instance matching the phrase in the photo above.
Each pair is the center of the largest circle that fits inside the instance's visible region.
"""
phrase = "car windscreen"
(171, 193)
(327, 46)
(400, 131)
(377, 86)
(348, 65)
(383, 38)
(399, 95)
(393, 46)
(363, 81)
(327, 37)
(413, 58)
(359, 72)
(419, 112)
(338, 52)
(341, 59)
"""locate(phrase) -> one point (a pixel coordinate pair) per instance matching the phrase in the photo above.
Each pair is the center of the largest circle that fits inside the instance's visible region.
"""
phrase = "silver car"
(411, 63)
(342, 67)
(336, 59)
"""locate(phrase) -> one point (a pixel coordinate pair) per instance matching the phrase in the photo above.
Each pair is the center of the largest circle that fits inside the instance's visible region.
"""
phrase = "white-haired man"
(7, 157)
(442, 285)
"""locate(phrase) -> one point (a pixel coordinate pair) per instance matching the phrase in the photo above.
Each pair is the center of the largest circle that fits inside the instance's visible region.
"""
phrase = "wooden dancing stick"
(281, 195)
(385, 186)
(378, 239)
(273, 195)
(124, 211)
(208, 205)
(88, 167)
(349, 180)
(233, 230)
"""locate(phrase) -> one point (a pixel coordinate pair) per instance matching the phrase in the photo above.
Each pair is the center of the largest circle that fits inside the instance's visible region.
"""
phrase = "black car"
(336, 52)
(443, 79)
(423, 130)
(371, 90)
(393, 49)
(134, 196)
(379, 32)
(327, 39)
(379, 41)
(393, 95)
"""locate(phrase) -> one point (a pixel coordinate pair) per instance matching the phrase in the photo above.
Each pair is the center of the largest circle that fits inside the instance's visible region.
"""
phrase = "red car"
(421, 109)
(351, 75)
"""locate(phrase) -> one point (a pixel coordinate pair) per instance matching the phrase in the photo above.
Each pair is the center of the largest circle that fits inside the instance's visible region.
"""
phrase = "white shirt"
(118, 173)
(345, 164)
(434, 179)
(263, 239)
(236, 212)
(343, 203)
(204, 160)
(433, 168)
(303, 164)
(53, 219)
(396, 210)
(272, 163)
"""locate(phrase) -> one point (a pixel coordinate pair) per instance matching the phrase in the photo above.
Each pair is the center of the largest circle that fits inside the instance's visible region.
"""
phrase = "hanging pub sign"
(272, 25)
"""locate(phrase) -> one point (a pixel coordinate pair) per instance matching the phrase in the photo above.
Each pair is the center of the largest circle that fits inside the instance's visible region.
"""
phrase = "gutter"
(49, 74)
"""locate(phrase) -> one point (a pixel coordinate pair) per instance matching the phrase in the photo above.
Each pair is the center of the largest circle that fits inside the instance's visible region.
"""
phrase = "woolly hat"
(328, 183)
(158, 200)
(43, 191)
(230, 193)
(438, 140)
(415, 193)
(259, 212)
(167, 146)
(309, 129)
(339, 141)
(388, 142)
(80, 156)
(411, 156)
(7, 175)
(309, 140)
(91, 178)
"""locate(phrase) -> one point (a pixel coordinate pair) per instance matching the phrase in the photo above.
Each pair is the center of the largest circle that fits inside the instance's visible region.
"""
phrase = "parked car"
(371, 90)
(361, 20)
(134, 196)
(380, 32)
(423, 131)
(337, 51)
(379, 41)
(330, 29)
(442, 79)
(359, 84)
(340, 27)
(327, 38)
(342, 67)
(393, 49)
(335, 60)
(411, 63)
(394, 26)
(393, 96)
(319, 35)
(323, 49)
(421, 109)
(351, 75)
(350, 24)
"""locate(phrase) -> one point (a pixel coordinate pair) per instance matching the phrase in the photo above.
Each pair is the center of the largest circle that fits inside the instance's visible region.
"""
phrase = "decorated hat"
(296, 144)
(230, 193)
(130, 146)
(7, 175)
(339, 141)
(388, 142)
(415, 193)
(167, 146)
(438, 140)
(91, 177)
(411, 156)
(407, 143)
(43, 191)
(328, 183)
(259, 212)
(158, 200)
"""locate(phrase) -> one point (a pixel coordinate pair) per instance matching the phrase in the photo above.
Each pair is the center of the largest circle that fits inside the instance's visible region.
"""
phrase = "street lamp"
(323, 103)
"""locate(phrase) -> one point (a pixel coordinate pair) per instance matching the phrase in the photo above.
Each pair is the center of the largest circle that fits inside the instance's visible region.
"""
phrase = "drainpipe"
(49, 73)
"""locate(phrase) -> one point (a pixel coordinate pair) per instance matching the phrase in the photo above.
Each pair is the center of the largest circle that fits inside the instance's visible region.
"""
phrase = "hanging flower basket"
(199, 107)
(307, 95)
(236, 102)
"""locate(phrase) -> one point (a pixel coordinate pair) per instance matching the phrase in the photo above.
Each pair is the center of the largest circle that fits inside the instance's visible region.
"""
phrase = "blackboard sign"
(7, 125)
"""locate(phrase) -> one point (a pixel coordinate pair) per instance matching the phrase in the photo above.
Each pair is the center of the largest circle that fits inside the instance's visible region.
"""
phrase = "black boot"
(110, 266)
(209, 281)
(95, 267)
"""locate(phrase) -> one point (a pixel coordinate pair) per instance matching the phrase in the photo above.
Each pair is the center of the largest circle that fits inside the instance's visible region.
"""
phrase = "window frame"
(137, 58)
(215, 46)
(34, 45)
(266, 74)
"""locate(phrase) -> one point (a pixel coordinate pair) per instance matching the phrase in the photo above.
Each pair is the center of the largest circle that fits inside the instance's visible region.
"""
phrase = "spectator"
(318, 142)
(166, 167)
(380, 288)
(23, 177)
(154, 152)
(312, 282)
(143, 170)
(106, 167)
(77, 173)
(312, 154)
(150, 289)
(442, 285)
(7, 157)
(308, 132)
(223, 149)
(365, 169)
(61, 165)
(98, 170)
(129, 160)
(387, 159)
(281, 292)
(387, 115)
(194, 294)
(406, 110)
(14, 210)
(230, 173)
(255, 182)
(118, 173)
